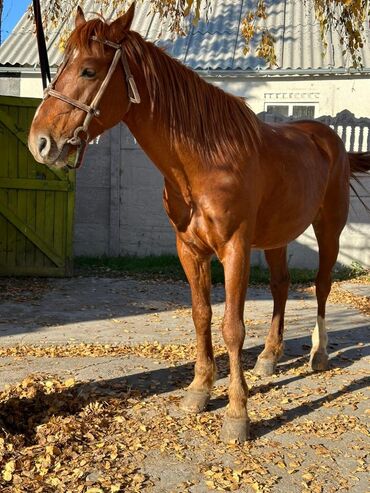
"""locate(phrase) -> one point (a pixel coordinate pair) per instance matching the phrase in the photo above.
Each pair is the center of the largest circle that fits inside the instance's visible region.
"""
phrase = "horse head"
(91, 92)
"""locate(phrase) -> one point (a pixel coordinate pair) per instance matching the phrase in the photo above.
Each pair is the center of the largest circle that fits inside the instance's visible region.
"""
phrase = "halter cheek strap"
(80, 136)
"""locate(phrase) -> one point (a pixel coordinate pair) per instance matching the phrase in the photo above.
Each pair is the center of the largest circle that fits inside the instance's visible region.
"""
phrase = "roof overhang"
(240, 74)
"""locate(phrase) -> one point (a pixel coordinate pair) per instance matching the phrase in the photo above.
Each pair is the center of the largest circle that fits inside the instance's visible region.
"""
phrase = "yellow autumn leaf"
(7, 475)
(115, 488)
(10, 466)
(307, 476)
(52, 450)
(70, 382)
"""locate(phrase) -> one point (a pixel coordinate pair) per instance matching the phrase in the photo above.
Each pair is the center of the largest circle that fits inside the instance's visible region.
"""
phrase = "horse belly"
(288, 213)
(275, 235)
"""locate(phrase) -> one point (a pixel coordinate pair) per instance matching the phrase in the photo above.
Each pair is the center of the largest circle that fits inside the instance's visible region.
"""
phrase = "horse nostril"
(43, 145)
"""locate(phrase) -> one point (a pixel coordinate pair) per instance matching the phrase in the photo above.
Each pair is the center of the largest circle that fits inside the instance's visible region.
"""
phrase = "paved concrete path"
(294, 413)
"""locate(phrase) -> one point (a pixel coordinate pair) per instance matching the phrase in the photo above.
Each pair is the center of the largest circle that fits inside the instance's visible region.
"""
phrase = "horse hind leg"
(327, 233)
(279, 283)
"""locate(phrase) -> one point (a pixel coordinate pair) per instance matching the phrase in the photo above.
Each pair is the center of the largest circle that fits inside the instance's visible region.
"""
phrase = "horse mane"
(216, 125)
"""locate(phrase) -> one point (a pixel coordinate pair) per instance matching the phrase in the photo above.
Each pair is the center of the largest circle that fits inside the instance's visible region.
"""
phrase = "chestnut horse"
(232, 183)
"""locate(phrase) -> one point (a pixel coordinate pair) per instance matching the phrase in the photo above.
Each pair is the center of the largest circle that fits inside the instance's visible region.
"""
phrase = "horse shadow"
(22, 415)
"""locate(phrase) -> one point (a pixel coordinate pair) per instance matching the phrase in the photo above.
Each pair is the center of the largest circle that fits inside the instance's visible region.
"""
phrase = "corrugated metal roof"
(213, 45)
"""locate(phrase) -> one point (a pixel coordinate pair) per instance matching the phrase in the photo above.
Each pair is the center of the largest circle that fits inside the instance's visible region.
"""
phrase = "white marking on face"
(75, 55)
(319, 335)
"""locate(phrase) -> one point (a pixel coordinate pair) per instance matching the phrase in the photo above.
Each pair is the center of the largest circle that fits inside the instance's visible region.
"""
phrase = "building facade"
(119, 191)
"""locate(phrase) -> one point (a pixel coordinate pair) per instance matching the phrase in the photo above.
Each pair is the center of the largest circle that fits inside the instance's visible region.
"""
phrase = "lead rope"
(41, 44)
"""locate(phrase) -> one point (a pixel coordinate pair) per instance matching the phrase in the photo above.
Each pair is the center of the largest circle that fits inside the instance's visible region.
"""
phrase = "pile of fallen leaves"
(22, 290)
(59, 436)
(339, 295)
(171, 353)
(69, 437)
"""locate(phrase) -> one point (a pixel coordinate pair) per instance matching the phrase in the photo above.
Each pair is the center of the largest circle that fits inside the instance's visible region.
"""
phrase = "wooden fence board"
(36, 203)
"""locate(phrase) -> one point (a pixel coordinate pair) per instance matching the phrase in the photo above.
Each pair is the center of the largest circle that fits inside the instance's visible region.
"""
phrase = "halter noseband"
(93, 109)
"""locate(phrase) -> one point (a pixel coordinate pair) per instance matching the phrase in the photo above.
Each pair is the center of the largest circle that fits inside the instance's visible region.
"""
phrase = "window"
(282, 109)
(300, 111)
(303, 111)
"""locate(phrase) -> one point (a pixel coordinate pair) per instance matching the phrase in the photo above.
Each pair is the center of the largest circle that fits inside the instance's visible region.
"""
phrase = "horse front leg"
(198, 272)
(235, 260)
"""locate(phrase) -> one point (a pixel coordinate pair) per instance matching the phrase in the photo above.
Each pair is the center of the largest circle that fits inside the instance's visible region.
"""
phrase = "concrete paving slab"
(302, 422)
(357, 289)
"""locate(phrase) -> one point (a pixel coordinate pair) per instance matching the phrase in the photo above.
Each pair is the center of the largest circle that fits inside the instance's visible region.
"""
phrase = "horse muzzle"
(46, 150)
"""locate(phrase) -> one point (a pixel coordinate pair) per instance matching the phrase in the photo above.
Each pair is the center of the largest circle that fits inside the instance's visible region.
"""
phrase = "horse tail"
(359, 163)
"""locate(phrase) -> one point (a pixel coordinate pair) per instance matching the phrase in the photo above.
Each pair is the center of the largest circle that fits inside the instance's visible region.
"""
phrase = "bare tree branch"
(346, 17)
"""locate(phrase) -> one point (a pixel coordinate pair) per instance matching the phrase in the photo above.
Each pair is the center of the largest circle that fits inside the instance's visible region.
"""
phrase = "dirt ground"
(92, 370)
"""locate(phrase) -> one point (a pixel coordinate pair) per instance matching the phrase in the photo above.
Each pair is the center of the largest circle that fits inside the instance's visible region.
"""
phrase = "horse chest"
(190, 223)
(179, 210)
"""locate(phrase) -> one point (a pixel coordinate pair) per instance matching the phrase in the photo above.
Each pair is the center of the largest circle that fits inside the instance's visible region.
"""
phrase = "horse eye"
(88, 73)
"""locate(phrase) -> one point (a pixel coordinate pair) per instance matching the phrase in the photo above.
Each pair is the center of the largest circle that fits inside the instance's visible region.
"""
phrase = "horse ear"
(80, 17)
(123, 23)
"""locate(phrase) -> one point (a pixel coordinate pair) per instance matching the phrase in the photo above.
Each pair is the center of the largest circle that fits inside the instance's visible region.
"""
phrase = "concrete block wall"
(93, 197)
(119, 209)
(119, 201)
(144, 225)
(119, 192)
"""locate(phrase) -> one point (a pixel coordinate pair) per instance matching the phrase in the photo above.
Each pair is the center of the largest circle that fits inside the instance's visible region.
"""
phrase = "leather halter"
(81, 135)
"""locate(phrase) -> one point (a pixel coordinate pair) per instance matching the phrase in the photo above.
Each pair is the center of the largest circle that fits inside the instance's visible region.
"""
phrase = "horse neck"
(154, 138)
(183, 124)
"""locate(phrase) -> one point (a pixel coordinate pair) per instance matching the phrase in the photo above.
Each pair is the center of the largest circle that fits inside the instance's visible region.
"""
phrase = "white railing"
(355, 132)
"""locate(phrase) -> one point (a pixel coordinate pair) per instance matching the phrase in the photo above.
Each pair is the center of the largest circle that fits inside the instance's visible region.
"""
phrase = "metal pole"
(41, 44)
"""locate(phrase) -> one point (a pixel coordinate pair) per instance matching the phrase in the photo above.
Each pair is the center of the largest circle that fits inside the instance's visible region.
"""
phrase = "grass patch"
(168, 267)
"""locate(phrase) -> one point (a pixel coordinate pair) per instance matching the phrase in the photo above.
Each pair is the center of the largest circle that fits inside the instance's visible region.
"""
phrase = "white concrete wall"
(31, 85)
(330, 95)
(9, 86)
(119, 191)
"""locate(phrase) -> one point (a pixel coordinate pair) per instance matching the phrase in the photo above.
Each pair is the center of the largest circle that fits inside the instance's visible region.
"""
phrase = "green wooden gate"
(36, 203)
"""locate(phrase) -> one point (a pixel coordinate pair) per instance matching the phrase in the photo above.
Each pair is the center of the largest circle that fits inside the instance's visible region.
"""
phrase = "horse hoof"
(195, 401)
(235, 430)
(264, 367)
(319, 361)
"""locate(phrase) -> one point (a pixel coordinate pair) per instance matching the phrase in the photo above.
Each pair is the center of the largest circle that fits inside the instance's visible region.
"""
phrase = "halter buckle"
(80, 143)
